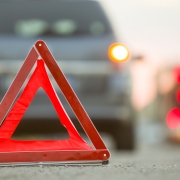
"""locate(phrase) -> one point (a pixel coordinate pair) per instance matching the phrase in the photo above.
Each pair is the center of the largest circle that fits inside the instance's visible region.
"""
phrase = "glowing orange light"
(118, 52)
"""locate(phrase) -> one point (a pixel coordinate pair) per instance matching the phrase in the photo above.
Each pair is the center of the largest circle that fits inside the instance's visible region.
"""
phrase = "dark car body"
(79, 35)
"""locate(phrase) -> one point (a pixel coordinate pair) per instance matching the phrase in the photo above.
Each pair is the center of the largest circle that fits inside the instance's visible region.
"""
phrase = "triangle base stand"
(54, 158)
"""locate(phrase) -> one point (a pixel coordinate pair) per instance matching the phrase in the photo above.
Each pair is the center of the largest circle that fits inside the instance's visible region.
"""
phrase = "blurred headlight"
(118, 52)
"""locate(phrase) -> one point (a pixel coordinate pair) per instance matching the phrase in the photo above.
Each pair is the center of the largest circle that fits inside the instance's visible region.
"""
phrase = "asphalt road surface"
(160, 161)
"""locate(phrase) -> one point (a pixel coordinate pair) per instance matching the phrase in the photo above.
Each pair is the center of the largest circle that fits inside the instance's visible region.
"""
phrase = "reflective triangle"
(69, 150)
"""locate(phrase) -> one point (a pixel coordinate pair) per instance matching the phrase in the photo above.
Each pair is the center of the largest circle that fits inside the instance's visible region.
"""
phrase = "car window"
(30, 27)
(52, 18)
(64, 27)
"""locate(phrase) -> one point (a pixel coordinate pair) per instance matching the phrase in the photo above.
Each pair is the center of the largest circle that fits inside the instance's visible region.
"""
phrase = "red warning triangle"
(72, 150)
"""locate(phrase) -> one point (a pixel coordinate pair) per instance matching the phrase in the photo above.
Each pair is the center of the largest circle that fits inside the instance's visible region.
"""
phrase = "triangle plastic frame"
(19, 152)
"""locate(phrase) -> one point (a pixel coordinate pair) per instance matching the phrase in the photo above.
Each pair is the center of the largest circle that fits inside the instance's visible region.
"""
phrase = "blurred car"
(82, 41)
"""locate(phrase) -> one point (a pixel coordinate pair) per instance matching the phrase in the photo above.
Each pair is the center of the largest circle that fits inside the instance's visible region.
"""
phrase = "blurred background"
(150, 28)
(120, 57)
(151, 31)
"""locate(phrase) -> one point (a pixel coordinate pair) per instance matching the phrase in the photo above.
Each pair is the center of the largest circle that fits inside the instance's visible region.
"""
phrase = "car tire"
(124, 136)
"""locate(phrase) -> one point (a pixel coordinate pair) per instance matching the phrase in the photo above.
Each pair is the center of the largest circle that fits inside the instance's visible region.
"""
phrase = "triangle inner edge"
(40, 121)
(39, 79)
(70, 95)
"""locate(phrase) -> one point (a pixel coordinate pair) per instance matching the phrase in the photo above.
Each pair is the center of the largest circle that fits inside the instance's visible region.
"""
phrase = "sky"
(148, 27)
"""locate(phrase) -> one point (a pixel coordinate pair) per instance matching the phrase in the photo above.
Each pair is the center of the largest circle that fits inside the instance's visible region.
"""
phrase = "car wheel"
(124, 136)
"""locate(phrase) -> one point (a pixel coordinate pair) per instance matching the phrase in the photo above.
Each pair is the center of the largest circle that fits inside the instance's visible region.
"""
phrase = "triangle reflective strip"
(70, 95)
(38, 79)
(16, 85)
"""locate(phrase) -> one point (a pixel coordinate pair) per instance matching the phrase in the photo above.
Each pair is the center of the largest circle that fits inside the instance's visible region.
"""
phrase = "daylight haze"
(150, 28)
